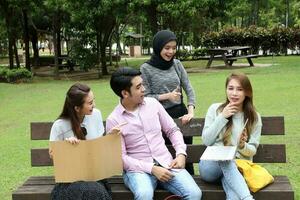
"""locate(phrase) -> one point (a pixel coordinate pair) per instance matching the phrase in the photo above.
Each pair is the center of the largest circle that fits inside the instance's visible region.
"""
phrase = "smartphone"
(245, 124)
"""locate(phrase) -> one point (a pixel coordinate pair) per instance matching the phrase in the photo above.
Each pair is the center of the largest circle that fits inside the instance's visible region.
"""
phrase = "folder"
(90, 160)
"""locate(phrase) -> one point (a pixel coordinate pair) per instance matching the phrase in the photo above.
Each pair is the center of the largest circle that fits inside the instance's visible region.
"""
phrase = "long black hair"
(75, 97)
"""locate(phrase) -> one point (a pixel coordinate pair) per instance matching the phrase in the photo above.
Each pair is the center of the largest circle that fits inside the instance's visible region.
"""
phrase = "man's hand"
(178, 162)
(117, 129)
(161, 173)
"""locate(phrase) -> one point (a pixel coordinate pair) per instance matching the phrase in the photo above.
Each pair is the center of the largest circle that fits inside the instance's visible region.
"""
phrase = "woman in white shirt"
(79, 120)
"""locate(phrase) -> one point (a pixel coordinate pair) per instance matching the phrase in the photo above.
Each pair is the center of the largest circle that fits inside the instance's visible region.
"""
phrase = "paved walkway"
(94, 73)
(222, 67)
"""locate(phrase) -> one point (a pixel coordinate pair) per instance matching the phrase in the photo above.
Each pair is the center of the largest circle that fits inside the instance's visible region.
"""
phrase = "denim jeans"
(143, 185)
(227, 172)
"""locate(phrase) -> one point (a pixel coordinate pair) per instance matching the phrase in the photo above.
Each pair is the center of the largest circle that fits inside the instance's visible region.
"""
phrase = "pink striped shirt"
(142, 139)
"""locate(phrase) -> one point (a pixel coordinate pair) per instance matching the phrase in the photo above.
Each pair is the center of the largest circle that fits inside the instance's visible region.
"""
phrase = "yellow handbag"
(255, 175)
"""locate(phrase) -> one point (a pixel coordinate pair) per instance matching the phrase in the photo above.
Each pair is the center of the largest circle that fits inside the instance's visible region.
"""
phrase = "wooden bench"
(39, 187)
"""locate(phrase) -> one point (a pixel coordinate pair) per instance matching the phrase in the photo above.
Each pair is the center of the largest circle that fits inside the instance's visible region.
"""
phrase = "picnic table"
(64, 61)
(230, 54)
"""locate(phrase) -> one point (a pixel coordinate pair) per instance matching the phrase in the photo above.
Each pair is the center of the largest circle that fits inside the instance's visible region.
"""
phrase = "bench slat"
(40, 130)
(49, 180)
(271, 126)
(270, 153)
(266, 153)
(40, 157)
(243, 56)
(280, 189)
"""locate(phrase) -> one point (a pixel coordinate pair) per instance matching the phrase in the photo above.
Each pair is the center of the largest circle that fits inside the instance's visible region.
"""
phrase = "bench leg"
(250, 62)
(210, 61)
(226, 61)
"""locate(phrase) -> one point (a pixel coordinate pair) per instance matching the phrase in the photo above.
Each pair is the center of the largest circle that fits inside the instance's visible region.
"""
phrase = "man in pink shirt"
(147, 162)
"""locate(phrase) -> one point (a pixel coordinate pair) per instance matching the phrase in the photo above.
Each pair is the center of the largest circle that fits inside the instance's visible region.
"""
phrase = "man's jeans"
(143, 185)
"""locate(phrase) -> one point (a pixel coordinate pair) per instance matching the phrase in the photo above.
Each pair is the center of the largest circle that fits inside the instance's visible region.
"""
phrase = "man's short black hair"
(121, 79)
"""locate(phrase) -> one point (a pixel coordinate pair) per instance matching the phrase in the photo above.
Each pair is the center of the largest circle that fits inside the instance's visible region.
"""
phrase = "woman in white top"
(223, 126)
(79, 120)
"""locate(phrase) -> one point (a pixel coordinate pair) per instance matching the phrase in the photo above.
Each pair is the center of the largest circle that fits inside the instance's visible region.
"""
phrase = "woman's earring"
(77, 109)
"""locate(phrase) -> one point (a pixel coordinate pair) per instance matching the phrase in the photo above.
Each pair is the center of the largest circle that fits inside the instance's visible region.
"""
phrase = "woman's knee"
(209, 171)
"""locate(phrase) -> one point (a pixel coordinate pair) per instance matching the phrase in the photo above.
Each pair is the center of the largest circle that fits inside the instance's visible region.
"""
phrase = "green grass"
(276, 92)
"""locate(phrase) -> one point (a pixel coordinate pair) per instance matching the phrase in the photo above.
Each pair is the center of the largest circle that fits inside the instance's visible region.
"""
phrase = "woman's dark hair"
(248, 107)
(121, 79)
(75, 97)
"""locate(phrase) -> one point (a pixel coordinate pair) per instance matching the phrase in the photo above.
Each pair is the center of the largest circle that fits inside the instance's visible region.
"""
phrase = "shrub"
(42, 61)
(3, 74)
(14, 75)
(182, 54)
(276, 40)
(198, 53)
(82, 55)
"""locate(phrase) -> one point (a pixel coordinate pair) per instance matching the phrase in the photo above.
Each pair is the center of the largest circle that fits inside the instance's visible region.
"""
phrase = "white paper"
(217, 153)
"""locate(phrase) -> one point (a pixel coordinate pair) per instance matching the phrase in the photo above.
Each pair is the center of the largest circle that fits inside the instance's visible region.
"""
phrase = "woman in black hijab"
(164, 78)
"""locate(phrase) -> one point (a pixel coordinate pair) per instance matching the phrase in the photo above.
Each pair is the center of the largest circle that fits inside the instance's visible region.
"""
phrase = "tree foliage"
(95, 24)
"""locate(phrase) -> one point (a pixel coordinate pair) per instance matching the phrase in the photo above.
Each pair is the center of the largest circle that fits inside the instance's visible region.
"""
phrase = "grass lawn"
(276, 92)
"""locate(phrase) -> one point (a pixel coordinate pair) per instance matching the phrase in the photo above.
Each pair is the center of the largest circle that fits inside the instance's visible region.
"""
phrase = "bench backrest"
(266, 153)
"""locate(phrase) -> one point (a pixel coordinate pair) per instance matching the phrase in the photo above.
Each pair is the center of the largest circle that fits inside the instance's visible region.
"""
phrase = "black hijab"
(160, 39)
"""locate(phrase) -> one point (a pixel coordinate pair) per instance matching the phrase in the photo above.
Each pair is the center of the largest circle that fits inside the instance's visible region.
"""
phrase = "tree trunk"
(58, 43)
(105, 36)
(110, 52)
(103, 61)
(124, 48)
(103, 43)
(34, 41)
(255, 12)
(242, 22)
(8, 18)
(287, 11)
(55, 44)
(117, 33)
(10, 52)
(98, 38)
(16, 54)
(26, 40)
(152, 16)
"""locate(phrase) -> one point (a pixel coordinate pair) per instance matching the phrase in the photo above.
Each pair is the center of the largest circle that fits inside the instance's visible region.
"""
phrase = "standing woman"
(79, 120)
(164, 78)
(223, 126)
